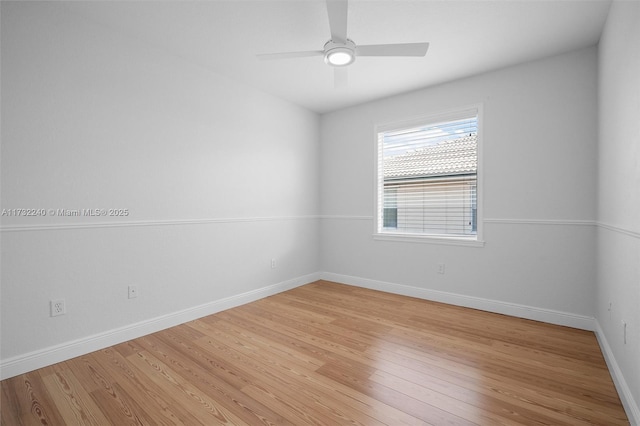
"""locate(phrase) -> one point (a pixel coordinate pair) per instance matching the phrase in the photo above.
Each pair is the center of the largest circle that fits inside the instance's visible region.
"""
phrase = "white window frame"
(476, 240)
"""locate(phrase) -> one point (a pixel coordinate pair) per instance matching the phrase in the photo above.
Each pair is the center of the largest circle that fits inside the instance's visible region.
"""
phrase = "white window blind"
(427, 176)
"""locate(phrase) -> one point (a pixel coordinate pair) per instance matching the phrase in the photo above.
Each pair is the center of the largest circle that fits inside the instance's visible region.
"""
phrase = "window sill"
(427, 239)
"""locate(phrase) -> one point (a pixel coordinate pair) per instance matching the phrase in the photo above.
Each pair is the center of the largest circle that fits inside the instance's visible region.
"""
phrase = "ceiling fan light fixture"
(339, 55)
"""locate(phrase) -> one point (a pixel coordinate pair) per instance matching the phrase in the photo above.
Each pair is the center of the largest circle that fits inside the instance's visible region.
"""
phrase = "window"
(427, 177)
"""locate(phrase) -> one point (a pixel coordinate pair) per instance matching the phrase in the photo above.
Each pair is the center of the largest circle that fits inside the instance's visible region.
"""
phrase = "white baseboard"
(630, 405)
(513, 309)
(41, 358)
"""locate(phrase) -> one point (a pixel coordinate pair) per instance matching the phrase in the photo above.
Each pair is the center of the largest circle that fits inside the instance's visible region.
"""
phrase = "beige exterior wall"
(433, 206)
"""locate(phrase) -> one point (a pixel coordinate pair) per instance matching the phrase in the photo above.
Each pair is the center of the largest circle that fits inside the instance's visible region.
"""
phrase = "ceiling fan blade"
(289, 55)
(337, 10)
(401, 49)
(340, 77)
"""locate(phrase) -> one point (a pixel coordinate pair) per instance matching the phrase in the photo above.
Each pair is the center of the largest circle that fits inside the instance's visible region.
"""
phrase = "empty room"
(320, 212)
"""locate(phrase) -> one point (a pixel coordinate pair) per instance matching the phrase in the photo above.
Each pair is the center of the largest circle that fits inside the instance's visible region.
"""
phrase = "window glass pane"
(390, 212)
(428, 178)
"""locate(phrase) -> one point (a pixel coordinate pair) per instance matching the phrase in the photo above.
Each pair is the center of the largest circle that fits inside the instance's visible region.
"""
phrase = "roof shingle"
(447, 158)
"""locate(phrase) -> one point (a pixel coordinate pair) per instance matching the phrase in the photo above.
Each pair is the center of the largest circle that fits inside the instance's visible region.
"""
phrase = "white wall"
(619, 193)
(218, 179)
(539, 165)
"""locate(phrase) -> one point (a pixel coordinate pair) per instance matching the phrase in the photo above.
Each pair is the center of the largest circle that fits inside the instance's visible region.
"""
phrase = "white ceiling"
(466, 38)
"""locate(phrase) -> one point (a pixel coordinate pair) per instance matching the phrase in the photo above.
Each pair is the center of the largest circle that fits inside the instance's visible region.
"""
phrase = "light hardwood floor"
(330, 354)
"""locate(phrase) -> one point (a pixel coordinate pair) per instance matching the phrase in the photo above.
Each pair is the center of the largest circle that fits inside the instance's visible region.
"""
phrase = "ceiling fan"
(340, 51)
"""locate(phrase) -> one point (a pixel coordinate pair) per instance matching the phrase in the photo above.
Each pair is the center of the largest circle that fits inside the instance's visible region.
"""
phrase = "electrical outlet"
(133, 292)
(441, 268)
(57, 307)
(609, 309)
(273, 264)
(624, 332)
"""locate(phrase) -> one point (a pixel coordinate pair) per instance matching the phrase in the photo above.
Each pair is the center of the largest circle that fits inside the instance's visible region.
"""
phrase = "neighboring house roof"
(447, 158)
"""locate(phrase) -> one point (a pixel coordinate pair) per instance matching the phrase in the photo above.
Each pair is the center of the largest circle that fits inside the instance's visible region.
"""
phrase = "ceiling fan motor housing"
(339, 54)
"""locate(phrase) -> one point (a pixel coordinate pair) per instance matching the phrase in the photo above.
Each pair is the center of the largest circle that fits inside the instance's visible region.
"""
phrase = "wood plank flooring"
(330, 354)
